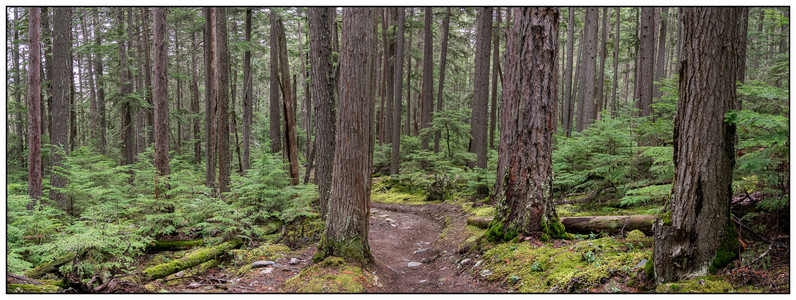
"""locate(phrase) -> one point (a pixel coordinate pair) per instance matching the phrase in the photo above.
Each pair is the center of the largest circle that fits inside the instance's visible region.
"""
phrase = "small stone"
(388, 220)
(423, 281)
(267, 271)
(478, 263)
(485, 273)
(465, 261)
(194, 285)
(262, 263)
(421, 250)
(294, 261)
(640, 264)
(413, 264)
(179, 274)
(383, 216)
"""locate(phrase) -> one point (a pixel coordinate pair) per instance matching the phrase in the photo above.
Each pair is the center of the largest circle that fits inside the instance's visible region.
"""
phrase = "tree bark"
(148, 79)
(98, 71)
(210, 97)
(321, 20)
(275, 110)
(247, 93)
(601, 81)
(443, 61)
(62, 80)
(587, 108)
(660, 67)
(591, 224)
(525, 203)
(409, 77)
(346, 232)
(495, 71)
(222, 98)
(291, 144)
(389, 61)
(160, 89)
(478, 121)
(398, 85)
(197, 135)
(688, 237)
(17, 91)
(46, 32)
(646, 61)
(568, 107)
(34, 107)
(428, 74)
(614, 112)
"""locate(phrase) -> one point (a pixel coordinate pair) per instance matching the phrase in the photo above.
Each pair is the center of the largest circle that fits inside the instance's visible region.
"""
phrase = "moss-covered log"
(45, 268)
(175, 245)
(191, 259)
(589, 224)
(31, 289)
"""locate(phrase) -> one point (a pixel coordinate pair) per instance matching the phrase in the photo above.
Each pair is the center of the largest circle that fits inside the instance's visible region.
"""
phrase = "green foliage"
(653, 193)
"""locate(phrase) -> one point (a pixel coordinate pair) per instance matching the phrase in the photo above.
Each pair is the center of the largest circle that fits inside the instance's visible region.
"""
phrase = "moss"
(666, 218)
(332, 275)
(649, 269)
(31, 289)
(706, 284)
(352, 249)
(540, 269)
(635, 235)
(175, 245)
(727, 251)
(191, 259)
(384, 192)
(243, 258)
(495, 232)
(48, 267)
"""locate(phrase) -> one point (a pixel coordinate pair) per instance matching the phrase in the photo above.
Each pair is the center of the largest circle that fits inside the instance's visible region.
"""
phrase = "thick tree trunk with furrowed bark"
(694, 234)
(646, 61)
(525, 202)
(478, 121)
(349, 206)
(320, 21)
(62, 80)
(34, 107)
(222, 98)
(587, 108)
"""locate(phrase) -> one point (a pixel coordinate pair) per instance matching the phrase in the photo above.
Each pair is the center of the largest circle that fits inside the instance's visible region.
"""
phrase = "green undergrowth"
(332, 275)
(481, 211)
(384, 192)
(569, 268)
(710, 284)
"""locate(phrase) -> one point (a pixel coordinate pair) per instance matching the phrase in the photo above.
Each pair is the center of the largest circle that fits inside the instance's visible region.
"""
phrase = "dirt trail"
(401, 236)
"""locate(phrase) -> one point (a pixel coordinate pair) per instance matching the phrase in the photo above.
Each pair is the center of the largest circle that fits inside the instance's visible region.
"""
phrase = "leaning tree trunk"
(349, 206)
(288, 99)
(695, 235)
(526, 137)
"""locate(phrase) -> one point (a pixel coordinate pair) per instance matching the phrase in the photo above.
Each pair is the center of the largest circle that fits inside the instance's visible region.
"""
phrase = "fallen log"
(45, 268)
(31, 289)
(191, 259)
(591, 224)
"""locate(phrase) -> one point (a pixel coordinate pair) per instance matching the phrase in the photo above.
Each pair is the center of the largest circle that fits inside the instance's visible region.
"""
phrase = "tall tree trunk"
(409, 77)
(321, 21)
(307, 96)
(680, 40)
(481, 86)
(601, 73)
(349, 206)
(614, 112)
(176, 64)
(210, 97)
(48, 74)
(275, 110)
(443, 61)
(93, 119)
(389, 60)
(247, 94)
(127, 130)
(382, 123)
(525, 205)
(34, 107)
(222, 98)
(62, 80)
(98, 71)
(660, 67)
(428, 74)
(398, 85)
(696, 235)
(646, 61)
(759, 44)
(17, 87)
(743, 32)
(197, 135)
(568, 107)
(587, 108)
(495, 70)
(148, 78)
(288, 100)
(161, 99)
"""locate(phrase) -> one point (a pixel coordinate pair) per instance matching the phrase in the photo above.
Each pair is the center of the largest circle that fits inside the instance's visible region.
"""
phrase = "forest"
(397, 149)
